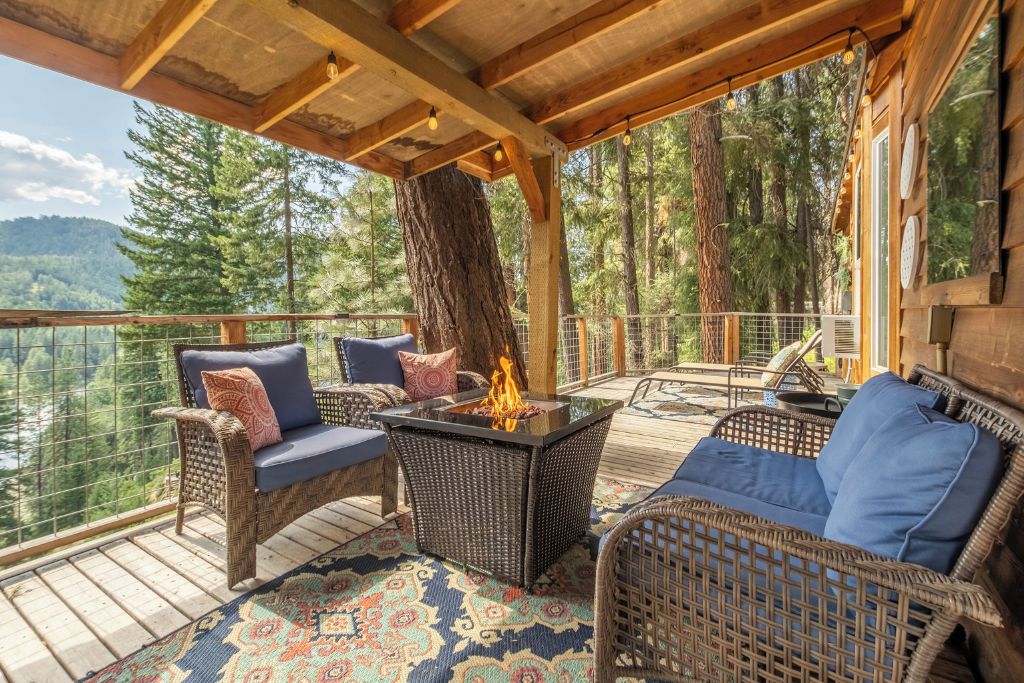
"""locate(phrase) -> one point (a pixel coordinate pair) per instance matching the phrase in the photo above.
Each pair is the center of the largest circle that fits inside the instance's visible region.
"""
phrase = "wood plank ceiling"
(358, 81)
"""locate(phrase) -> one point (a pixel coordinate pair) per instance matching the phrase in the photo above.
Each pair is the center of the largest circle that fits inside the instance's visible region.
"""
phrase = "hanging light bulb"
(846, 177)
(866, 100)
(856, 133)
(432, 123)
(850, 158)
(730, 100)
(627, 137)
(848, 54)
(842, 190)
(499, 152)
(332, 66)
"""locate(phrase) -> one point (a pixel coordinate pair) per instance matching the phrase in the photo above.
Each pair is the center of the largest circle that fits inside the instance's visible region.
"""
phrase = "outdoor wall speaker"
(940, 324)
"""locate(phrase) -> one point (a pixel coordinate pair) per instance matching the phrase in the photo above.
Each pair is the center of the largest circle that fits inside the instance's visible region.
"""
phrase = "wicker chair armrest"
(939, 592)
(351, 405)
(223, 424)
(469, 380)
(775, 430)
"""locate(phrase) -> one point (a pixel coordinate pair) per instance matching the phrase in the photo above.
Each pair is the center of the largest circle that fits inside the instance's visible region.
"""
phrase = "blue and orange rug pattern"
(374, 609)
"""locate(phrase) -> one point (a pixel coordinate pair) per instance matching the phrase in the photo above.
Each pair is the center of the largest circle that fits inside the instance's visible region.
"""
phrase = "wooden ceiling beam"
(172, 21)
(878, 18)
(409, 16)
(304, 88)
(595, 20)
(376, 46)
(522, 166)
(446, 154)
(395, 124)
(479, 164)
(748, 22)
(42, 49)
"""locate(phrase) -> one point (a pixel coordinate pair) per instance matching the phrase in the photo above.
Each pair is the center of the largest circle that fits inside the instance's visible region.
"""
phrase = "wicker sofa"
(467, 380)
(689, 589)
(219, 472)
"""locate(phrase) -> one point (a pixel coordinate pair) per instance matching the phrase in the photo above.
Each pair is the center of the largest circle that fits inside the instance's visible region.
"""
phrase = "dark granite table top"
(567, 414)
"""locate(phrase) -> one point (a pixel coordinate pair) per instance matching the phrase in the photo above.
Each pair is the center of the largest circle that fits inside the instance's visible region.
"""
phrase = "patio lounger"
(735, 382)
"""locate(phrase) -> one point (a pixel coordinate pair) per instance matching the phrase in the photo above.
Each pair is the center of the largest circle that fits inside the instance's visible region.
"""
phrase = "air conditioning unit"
(840, 336)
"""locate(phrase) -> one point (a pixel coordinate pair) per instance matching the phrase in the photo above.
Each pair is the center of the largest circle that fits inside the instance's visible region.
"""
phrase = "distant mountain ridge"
(61, 262)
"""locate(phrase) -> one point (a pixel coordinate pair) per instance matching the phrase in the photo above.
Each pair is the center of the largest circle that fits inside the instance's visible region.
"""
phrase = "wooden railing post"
(619, 346)
(232, 332)
(731, 339)
(584, 352)
(411, 326)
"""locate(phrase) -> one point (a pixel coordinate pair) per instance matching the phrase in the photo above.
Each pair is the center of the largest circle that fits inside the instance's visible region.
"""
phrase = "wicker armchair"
(217, 470)
(743, 598)
(467, 379)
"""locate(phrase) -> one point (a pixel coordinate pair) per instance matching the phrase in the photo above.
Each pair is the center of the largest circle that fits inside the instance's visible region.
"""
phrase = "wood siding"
(986, 348)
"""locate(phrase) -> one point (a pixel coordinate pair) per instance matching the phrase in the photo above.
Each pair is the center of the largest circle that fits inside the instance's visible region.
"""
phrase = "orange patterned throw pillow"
(429, 375)
(240, 392)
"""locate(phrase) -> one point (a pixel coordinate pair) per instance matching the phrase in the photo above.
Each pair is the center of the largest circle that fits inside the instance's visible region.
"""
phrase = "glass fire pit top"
(562, 416)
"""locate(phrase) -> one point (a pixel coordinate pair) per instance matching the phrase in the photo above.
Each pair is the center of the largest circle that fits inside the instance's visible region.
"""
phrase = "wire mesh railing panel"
(762, 335)
(601, 351)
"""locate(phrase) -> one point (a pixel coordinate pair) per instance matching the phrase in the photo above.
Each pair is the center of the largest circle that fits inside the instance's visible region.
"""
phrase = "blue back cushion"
(917, 489)
(282, 369)
(881, 397)
(375, 361)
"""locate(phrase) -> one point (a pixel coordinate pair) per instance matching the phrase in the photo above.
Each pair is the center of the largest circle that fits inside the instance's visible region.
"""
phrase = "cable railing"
(80, 453)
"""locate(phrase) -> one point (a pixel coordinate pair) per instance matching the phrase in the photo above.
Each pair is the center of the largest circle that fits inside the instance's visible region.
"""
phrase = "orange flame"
(503, 398)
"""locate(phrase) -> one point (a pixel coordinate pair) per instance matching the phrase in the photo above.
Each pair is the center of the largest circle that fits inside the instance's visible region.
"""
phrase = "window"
(880, 252)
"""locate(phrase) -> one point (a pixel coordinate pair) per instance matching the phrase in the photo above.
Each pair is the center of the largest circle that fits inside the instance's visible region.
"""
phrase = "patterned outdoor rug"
(681, 403)
(374, 609)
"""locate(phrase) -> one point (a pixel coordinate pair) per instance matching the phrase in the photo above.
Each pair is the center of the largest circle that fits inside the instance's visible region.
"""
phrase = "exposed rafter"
(409, 16)
(363, 39)
(442, 156)
(745, 24)
(63, 56)
(171, 22)
(595, 20)
(305, 87)
(381, 132)
(479, 164)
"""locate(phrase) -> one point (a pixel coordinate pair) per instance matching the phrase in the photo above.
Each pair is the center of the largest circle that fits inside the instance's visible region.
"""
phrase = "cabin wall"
(987, 348)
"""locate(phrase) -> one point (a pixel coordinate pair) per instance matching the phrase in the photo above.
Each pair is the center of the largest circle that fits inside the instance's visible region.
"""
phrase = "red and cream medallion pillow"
(429, 375)
(240, 392)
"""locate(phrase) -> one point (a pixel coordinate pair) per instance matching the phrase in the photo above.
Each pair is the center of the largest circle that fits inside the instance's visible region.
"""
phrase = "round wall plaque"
(909, 249)
(908, 167)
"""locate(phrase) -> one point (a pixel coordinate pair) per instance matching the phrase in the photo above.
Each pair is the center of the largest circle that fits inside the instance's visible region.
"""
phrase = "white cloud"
(36, 171)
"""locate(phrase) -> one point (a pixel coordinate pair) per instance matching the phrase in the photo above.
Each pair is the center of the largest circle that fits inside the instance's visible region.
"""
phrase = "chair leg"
(241, 540)
(389, 494)
(644, 382)
(179, 522)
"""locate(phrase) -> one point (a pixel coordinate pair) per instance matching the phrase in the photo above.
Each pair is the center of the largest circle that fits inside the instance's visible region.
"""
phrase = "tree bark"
(632, 294)
(454, 270)
(651, 237)
(566, 305)
(984, 257)
(714, 272)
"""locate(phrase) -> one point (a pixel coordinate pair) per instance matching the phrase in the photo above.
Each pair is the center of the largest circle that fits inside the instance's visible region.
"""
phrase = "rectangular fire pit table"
(507, 498)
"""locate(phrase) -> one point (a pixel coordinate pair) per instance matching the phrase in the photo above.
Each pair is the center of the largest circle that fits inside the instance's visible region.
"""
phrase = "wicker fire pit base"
(510, 509)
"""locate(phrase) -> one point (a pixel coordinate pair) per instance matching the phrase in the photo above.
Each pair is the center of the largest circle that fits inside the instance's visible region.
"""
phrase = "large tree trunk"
(566, 305)
(454, 270)
(632, 294)
(651, 237)
(985, 241)
(714, 272)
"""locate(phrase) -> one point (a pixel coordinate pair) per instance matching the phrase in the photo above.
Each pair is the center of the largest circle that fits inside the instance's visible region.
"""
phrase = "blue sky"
(62, 145)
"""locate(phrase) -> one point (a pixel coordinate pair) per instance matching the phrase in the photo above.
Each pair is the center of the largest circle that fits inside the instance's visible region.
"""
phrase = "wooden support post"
(619, 346)
(545, 249)
(731, 339)
(411, 326)
(584, 353)
(232, 332)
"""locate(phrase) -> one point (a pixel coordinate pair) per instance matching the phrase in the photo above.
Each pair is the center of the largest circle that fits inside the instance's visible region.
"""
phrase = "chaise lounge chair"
(786, 366)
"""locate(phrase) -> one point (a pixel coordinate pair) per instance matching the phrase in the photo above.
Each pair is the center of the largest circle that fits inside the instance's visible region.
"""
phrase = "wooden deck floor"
(76, 612)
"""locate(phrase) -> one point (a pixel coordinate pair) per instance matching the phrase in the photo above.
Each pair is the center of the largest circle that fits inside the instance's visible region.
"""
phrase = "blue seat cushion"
(780, 479)
(880, 397)
(776, 513)
(308, 452)
(375, 361)
(282, 369)
(917, 489)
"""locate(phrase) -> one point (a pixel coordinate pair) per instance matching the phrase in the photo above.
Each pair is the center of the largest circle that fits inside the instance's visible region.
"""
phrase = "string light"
(730, 101)
(856, 133)
(842, 190)
(332, 66)
(627, 137)
(432, 123)
(866, 100)
(848, 54)
(850, 158)
(499, 152)
(846, 176)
